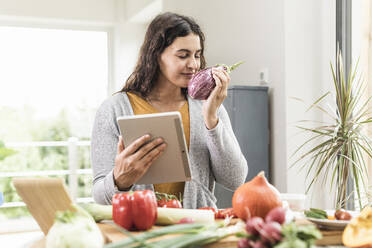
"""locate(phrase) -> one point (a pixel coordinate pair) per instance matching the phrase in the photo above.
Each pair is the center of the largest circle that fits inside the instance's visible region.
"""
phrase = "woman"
(171, 53)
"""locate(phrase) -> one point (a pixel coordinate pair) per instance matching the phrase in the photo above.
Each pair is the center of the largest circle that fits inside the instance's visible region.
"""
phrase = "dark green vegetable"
(319, 211)
(316, 213)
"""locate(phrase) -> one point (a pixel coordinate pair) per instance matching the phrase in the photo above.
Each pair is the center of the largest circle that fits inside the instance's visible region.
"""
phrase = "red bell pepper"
(136, 209)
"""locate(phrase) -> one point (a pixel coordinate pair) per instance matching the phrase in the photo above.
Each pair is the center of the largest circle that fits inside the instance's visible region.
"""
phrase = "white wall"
(252, 31)
(309, 46)
(83, 10)
(294, 40)
(128, 40)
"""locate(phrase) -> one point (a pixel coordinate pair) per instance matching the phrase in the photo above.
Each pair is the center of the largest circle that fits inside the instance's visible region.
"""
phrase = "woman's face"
(181, 60)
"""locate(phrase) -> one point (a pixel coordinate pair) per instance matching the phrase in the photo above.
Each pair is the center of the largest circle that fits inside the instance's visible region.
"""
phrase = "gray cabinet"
(248, 109)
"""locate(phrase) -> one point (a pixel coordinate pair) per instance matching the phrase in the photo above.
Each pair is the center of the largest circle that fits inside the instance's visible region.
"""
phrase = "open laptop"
(43, 198)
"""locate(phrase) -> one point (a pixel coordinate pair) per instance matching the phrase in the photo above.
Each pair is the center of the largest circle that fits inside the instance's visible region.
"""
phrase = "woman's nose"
(193, 63)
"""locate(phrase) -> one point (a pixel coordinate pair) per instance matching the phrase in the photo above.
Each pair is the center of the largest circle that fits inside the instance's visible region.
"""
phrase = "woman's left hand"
(215, 99)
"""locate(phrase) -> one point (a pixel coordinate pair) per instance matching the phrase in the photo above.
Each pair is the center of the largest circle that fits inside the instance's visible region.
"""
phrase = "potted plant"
(341, 146)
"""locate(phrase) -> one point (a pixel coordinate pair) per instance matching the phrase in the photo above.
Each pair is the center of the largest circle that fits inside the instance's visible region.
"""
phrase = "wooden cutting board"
(43, 198)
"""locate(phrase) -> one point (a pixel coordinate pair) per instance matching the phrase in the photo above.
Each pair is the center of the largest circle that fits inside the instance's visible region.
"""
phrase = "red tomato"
(172, 204)
(210, 208)
(161, 202)
(223, 213)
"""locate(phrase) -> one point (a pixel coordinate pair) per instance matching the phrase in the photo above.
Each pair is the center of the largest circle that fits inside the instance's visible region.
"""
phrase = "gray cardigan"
(215, 155)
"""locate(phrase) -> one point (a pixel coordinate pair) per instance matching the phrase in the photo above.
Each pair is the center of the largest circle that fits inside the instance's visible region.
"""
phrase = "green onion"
(193, 234)
(180, 228)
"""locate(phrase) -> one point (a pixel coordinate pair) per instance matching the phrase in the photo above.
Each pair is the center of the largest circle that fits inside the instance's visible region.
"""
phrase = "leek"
(169, 216)
(166, 216)
(97, 211)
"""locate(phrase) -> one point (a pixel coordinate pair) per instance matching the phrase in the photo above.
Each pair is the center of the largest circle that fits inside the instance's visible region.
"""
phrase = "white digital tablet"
(173, 164)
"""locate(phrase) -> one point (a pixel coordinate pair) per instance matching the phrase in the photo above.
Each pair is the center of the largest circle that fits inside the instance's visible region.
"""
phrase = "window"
(51, 84)
(49, 71)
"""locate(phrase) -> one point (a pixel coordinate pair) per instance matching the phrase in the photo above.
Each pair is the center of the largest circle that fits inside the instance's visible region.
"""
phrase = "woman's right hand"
(132, 162)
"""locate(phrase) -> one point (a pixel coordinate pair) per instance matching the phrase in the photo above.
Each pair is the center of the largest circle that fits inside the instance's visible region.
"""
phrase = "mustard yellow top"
(141, 106)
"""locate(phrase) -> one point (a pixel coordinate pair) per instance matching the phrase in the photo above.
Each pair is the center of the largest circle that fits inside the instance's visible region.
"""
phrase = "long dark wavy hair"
(161, 33)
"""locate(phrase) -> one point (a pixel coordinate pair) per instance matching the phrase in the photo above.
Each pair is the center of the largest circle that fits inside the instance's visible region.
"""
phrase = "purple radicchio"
(202, 83)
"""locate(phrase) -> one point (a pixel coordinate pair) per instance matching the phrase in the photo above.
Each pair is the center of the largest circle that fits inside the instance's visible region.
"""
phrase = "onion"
(259, 244)
(244, 243)
(255, 198)
(271, 232)
(341, 214)
(277, 214)
(254, 225)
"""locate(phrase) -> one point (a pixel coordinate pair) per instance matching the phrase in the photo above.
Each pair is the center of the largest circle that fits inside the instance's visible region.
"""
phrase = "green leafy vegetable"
(298, 236)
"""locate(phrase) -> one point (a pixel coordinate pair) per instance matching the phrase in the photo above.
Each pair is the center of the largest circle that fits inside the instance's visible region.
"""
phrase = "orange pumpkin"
(358, 233)
(255, 198)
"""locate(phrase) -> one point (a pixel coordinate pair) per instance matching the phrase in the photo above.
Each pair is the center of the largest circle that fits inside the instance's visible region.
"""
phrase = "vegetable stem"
(236, 65)
(180, 228)
(193, 234)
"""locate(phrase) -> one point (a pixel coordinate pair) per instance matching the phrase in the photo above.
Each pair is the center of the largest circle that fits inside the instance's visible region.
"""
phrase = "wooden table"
(112, 235)
(331, 238)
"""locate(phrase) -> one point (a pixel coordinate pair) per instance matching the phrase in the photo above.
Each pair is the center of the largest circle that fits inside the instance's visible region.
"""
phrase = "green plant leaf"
(317, 101)
(340, 146)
